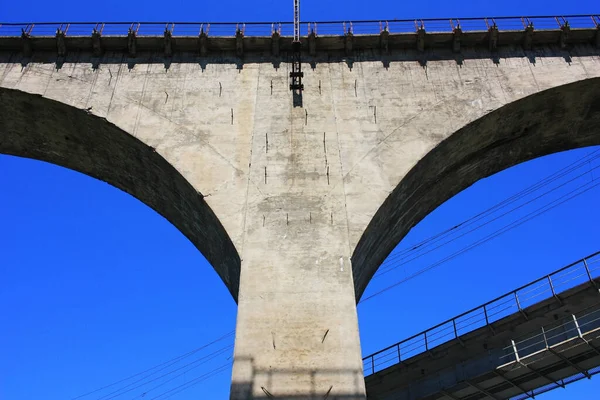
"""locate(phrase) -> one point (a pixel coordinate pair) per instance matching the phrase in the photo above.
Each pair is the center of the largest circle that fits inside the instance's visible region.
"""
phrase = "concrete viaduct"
(295, 200)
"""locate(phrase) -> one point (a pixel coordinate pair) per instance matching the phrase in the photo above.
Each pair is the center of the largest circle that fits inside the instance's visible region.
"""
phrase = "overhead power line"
(165, 365)
(544, 182)
(553, 204)
(178, 389)
(393, 267)
(197, 363)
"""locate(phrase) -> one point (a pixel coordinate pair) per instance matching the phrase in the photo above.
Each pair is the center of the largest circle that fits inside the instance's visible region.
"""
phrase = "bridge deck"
(490, 360)
(552, 367)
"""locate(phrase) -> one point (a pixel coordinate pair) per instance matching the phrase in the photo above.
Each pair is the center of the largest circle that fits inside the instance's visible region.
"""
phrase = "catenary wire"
(193, 382)
(544, 182)
(557, 175)
(121, 391)
(216, 354)
(485, 239)
(170, 362)
(393, 267)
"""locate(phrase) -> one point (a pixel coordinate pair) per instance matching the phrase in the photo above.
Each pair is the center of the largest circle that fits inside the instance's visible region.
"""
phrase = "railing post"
(426, 345)
(455, 331)
(399, 357)
(487, 322)
(519, 305)
(551, 286)
(545, 338)
(577, 326)
(589, 274)
(372, 364)
(587, 269)
(514, 346)
(553, 291)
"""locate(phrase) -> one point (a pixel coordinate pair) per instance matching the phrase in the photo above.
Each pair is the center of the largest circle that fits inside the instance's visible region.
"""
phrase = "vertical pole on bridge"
(296, 75)
(589, 274)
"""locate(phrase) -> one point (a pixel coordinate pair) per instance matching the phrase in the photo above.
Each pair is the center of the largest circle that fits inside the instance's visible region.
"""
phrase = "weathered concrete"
(34, 127)
(298, 191)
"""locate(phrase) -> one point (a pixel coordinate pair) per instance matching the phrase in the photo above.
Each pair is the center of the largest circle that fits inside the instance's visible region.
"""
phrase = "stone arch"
(35, 127)
(558, 119)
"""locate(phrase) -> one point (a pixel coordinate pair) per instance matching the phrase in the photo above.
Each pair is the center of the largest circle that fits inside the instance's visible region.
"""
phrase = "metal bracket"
(26, 40)
(571, 363)
(349, 41)
(514, 384)
(312, 43)
(96, 40)
(493, 34)
(596, 21)
(541, 375)
(384, 37)
(482, 390)
(275, 40)
(203, 40)
(239, 40)
(565, 30)
(168, 40)
(457, 33)
(61, 46)
(132, 40)
(420, 36)
(528, 38)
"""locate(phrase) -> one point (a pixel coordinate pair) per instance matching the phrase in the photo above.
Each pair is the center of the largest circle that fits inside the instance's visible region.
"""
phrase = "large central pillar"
(297, 328)
(297, 331)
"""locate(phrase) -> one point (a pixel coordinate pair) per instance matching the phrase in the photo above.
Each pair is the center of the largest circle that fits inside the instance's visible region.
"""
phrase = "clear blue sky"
(95, 286)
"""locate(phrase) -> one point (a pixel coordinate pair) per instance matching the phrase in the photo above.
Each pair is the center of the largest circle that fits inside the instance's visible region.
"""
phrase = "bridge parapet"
(347, 37)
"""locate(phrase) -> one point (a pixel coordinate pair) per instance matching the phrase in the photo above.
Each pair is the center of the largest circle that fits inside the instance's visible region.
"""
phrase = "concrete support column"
(297, 329)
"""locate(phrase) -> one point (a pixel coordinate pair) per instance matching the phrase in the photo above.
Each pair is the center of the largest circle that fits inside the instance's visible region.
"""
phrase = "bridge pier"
(297, 328)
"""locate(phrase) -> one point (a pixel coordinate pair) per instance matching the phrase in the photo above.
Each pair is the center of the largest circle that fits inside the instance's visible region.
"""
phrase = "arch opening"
(554, 120)
(38, 128)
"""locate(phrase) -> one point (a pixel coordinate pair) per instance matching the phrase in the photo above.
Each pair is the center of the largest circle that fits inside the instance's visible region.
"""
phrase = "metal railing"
(584, 270)
(554, 339)
(574, 327)
(372, 27)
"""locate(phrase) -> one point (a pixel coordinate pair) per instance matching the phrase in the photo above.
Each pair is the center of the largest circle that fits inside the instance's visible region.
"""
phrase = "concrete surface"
(301, 204)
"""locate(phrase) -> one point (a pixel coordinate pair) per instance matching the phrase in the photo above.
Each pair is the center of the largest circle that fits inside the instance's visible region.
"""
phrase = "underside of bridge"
(35, 127)
(539, 337)
(558, 119)
(295, 208)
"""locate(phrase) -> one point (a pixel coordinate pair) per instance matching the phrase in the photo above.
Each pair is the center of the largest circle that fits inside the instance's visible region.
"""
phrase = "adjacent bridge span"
(536, 338)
